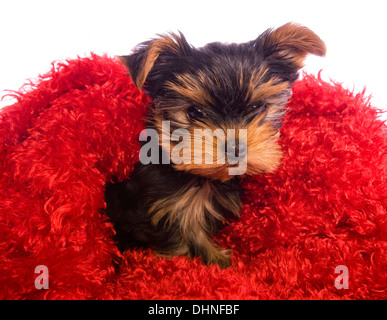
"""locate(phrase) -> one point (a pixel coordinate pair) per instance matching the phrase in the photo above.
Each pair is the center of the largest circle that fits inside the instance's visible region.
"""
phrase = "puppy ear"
(290, 42)
(146, 54)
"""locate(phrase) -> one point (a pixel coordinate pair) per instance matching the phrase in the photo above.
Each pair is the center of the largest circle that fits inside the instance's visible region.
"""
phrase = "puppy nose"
(236, 150)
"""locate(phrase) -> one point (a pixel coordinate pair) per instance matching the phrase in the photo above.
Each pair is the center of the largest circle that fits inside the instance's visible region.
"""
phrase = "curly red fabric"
(78, 127)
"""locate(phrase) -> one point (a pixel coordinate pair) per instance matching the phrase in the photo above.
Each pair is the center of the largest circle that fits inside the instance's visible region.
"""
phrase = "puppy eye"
(195, 113)
(260, 107)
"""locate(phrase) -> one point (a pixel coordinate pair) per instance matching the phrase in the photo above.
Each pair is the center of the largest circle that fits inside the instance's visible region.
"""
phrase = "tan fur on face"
(263, 152)
(215, 171)
(192, 87)
(206, 145)
(259, 91)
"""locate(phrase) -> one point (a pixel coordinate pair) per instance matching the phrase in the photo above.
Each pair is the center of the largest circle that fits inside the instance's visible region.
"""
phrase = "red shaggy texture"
(78, 126)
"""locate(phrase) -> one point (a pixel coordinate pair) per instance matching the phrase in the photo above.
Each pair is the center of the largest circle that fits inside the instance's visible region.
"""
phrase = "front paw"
(220, 257)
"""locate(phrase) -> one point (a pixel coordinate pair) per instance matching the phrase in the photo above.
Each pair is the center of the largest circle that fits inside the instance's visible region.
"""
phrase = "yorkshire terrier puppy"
(174, 204)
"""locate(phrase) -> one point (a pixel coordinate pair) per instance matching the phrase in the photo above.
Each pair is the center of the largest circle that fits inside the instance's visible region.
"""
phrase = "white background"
(34, 33)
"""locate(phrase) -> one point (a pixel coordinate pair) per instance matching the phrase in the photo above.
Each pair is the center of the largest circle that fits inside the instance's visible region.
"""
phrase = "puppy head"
(239, 87)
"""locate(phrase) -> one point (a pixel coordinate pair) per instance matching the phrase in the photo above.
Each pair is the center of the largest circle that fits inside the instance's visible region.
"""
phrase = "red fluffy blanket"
(78, 127)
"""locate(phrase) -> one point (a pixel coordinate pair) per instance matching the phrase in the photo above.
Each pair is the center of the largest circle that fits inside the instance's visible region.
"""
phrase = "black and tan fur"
(176, 208)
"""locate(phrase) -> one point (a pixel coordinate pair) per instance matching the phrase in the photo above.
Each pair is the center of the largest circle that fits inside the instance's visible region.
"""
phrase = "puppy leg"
(191, 215)
(201, 245)
(196, 243)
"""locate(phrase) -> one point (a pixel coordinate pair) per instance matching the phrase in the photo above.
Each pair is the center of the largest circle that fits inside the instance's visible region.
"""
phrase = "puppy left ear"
(152, 53)
(291, 43)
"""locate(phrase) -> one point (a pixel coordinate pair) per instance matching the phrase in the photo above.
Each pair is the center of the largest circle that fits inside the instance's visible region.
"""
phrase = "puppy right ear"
(285, 48)
(149, 53)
